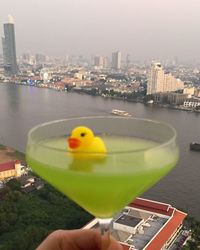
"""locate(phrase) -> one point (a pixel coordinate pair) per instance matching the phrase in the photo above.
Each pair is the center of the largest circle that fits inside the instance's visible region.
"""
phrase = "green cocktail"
(139, 153)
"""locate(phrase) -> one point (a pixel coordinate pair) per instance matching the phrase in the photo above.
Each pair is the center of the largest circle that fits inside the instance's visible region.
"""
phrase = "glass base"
(105, 225)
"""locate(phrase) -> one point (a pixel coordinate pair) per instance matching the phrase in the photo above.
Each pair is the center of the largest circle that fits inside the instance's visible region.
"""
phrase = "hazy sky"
(142, 28)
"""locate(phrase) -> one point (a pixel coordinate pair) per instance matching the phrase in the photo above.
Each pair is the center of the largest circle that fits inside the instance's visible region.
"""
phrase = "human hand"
(86, 239)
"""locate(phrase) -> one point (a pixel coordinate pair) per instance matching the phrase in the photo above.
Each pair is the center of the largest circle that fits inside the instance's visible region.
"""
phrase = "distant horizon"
(89, 57)
(145, 29)
(132, 60)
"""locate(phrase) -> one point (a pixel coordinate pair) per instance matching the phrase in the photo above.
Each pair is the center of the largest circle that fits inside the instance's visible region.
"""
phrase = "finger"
(51, 242)
(105, 241)
(86, 239)
(109, 243)
(114, 245)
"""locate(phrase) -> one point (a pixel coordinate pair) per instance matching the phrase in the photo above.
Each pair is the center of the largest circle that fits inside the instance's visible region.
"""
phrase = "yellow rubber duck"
(83, 143)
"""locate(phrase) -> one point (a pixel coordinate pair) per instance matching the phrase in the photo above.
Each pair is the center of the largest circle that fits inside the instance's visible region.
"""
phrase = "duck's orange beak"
(73, 142)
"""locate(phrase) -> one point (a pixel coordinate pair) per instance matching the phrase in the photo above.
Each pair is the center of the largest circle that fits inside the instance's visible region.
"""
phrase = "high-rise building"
(116, 60)
(101, 62)
(105, 62)
(40, 58)
(1, 59)
(9, 49)
(28, 58)
(98, 61)
(128, 60)
(159, 81)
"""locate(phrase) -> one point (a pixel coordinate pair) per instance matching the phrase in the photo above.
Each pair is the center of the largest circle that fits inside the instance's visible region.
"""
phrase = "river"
(22, 107)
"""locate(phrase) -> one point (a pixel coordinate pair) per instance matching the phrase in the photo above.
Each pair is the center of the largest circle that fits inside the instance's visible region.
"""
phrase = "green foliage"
(194, 225)
(191, 245)
(14, 184)
(2, 147)
(26, 219)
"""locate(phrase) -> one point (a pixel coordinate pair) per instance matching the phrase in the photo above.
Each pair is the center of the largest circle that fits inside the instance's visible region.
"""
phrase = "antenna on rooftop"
(140, 230)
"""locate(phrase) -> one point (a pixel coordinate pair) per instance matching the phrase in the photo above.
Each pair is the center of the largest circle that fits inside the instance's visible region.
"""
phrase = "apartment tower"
(116, 60)
(159, 81)
(9, 48)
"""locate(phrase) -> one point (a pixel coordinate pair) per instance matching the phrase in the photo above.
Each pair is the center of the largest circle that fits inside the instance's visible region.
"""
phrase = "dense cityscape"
(169, 84)
(156, 83)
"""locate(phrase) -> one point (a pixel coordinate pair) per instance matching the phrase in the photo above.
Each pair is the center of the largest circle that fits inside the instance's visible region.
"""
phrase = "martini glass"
(139, 153)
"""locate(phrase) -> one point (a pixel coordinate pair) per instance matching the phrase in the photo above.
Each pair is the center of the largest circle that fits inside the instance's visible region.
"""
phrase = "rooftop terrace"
(145, 232)
(154, 225)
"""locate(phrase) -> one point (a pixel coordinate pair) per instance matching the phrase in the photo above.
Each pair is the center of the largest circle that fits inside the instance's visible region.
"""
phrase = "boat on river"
(195, 146)
(150, 102)
(120, 112)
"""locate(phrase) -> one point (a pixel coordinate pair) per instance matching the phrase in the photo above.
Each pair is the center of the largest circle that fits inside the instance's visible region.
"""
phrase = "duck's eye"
(83, 134)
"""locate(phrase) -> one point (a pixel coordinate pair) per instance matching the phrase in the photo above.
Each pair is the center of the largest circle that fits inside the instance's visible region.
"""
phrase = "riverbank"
(137, 100)
(127, 98)
(92, 91)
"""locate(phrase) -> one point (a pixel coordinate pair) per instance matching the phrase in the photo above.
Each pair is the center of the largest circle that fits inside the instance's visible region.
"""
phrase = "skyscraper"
(116, 60)
(128, 60)
(159, 81)
(156, 79)
(101, 62)
(98, 61)
(9, 49)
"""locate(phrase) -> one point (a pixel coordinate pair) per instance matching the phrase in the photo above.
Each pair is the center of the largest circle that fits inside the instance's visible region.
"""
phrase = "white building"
(128, 224)
(148, 225)
(160, 82)
(189, 91)
(10, 170)
(197, 93)
(191, 104)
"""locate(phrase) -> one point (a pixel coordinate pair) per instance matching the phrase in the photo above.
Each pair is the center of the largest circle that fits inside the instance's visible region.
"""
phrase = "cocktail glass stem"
(104, 225)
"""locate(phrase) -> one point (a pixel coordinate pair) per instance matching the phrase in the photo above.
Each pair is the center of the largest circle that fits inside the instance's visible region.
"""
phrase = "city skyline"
(143, 29)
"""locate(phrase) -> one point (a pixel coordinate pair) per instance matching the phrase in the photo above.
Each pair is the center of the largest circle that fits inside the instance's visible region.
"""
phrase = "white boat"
(150, 102)
(120, 112)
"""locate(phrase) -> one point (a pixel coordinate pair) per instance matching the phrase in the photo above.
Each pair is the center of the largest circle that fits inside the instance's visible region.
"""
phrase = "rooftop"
(145, 232)
(128, 220)
(155, 223)
(7, 166)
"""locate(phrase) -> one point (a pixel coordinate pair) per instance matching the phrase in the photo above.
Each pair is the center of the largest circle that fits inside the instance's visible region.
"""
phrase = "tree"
(14, 184)
(26, 219)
